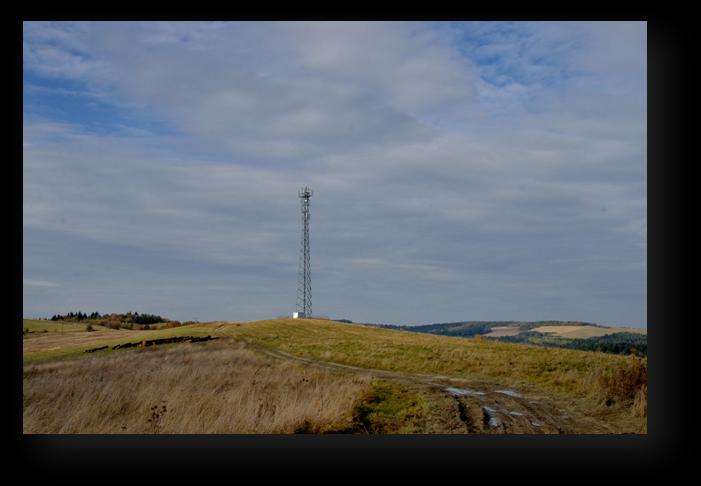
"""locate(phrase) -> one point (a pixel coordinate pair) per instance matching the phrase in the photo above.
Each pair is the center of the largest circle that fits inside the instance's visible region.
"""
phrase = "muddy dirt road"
(470, 407)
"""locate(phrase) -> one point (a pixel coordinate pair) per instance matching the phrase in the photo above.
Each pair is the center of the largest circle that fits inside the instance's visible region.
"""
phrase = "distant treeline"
(128, 320)
(617, 343)
(133, 317)
(75, 316)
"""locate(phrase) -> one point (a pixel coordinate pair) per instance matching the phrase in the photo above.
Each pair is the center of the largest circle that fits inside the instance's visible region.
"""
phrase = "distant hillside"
(474, 328)
(565, 334)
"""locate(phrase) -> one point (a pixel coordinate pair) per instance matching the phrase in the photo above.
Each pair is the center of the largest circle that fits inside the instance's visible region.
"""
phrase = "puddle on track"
(511, 393)
(493, 421)
(463, 391)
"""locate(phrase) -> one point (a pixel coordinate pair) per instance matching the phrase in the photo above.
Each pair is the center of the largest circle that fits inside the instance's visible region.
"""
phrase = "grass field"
(40, 326)
(609, 388)
(499, 331)
(583, 332)
(219, 387)
(66, 340)
(561, 371)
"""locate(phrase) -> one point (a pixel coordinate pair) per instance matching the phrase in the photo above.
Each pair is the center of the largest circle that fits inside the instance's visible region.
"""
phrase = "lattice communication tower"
(304, 285)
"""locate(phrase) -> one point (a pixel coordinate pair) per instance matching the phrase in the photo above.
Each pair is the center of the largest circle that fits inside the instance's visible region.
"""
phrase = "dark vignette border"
(334, 459)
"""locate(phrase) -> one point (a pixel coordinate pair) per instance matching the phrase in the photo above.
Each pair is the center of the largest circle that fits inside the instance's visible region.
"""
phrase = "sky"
(461, 170)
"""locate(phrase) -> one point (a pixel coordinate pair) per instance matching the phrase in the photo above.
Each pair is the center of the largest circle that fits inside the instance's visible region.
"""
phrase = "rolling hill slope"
(425, 373)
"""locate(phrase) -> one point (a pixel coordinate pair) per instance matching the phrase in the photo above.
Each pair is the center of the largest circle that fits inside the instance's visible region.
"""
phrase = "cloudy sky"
(461, 171)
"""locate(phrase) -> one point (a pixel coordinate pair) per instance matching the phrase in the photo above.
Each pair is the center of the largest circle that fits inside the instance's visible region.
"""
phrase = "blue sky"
(462, 170)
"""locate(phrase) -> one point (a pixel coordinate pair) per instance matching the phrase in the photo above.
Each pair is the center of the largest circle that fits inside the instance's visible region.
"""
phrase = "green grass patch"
(391, 408)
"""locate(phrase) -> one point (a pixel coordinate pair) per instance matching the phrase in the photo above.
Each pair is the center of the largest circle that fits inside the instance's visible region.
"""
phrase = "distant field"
(41, 326)
(70, 339)
(499, 331)
(583, 332)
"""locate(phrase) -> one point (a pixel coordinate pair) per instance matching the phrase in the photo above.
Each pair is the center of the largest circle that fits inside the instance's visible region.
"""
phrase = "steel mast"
(304, 285)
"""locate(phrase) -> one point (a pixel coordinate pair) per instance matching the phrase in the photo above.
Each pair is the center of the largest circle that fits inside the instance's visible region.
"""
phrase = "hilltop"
(288, 375)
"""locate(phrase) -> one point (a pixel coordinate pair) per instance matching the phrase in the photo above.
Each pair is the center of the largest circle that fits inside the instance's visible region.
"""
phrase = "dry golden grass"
(583, 332)
(613, 387)
(218, 387)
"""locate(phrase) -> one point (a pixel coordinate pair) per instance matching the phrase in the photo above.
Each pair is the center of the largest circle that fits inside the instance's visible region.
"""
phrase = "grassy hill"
(403, 377)
(563, 372)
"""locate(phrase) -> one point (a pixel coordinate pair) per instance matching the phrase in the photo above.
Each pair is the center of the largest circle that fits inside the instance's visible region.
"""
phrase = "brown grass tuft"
(639, 407)
(623, 385)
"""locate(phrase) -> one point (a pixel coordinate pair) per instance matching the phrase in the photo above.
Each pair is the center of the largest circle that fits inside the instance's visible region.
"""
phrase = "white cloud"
(423, 168)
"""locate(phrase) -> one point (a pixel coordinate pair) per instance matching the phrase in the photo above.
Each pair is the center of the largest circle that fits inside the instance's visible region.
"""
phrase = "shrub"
(626, 384)
(170, 324)
(147, 319)
(89, 328)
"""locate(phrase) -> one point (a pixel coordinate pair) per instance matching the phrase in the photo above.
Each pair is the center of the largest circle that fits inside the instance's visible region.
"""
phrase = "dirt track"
(477, 407)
